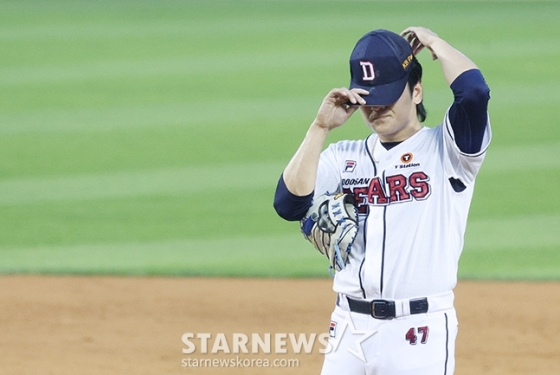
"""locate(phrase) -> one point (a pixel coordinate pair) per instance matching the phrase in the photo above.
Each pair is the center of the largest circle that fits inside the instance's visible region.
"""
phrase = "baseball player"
(412, 186)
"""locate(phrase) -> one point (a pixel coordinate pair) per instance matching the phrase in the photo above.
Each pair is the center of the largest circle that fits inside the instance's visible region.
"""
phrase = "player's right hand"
(334, 110)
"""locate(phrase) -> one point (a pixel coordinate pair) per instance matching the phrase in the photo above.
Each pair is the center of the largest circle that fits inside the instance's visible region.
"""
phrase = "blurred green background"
(147, 137)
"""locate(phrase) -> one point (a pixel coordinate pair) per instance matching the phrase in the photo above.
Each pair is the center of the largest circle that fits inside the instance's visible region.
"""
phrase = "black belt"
(383, 309)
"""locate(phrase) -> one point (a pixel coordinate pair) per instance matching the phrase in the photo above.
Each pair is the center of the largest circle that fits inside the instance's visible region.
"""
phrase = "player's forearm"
(453, 61)
(301, 171)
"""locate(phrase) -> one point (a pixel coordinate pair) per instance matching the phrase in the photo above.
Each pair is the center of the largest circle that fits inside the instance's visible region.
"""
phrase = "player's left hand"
(331, 225)
(420, 37)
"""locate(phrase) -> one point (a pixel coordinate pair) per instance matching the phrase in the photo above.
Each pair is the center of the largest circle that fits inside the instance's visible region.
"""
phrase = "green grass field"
(147, 137)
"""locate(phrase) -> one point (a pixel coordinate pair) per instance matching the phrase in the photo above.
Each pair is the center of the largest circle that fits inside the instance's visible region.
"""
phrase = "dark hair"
(414, 77)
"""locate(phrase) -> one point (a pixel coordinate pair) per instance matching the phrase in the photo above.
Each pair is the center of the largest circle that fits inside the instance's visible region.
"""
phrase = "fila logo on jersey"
(367, 70)
(390, 189)
(350, 166)
(332, 329)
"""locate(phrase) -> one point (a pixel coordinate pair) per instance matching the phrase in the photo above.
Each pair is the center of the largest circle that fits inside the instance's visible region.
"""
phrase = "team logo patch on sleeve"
(332, 329)
(350, 166)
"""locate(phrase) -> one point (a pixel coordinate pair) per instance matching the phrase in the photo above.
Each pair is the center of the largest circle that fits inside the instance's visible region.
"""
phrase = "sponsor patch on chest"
(406, 161)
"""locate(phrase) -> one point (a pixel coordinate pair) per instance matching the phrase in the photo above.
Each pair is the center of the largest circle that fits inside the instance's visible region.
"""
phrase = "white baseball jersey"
(413, 201)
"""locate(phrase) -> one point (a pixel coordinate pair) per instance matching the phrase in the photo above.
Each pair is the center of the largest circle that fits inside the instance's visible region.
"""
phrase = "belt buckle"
(381, 309)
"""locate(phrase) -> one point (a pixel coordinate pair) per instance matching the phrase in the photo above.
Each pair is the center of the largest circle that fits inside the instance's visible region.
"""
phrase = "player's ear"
(417, 93)
(418, 98)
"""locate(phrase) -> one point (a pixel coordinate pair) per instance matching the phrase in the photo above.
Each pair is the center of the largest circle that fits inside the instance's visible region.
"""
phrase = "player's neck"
(401, 135)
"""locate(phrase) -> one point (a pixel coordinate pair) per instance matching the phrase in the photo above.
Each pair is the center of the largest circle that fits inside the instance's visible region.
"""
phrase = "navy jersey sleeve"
(289, 206)
(468, 113)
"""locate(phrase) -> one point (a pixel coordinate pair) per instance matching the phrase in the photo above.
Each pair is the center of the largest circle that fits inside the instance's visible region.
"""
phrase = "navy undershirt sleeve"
(468, 114)
(289, 206)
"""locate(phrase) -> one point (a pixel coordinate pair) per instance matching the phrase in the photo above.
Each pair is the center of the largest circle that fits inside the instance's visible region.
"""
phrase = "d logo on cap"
(376, 65)
(369, 72)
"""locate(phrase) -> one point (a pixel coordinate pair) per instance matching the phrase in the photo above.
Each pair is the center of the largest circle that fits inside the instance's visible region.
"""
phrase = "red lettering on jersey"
(397, 188)
(375, 193)
(419, 184)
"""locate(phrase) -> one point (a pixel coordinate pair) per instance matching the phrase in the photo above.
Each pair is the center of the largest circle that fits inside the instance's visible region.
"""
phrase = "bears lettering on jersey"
(392, 189)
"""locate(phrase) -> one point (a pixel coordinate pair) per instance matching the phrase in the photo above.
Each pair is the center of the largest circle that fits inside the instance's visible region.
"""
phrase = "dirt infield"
(109, 325)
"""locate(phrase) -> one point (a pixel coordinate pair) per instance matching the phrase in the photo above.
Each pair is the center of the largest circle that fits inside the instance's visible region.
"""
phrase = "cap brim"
(382, 95)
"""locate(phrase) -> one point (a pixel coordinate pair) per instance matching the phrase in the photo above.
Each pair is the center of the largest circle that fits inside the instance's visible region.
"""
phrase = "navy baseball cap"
(381, 63)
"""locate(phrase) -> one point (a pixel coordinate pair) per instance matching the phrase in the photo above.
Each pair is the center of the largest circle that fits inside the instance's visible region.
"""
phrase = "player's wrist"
(320, 126)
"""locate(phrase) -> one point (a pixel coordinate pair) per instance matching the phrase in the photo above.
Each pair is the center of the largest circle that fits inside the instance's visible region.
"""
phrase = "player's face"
(398, 121)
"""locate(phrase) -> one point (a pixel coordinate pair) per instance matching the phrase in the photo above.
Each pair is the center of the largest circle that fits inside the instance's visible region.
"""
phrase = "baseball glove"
(331, 225)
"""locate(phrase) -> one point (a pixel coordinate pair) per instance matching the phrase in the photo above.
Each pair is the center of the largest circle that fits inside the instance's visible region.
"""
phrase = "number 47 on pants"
(414, 334)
